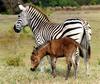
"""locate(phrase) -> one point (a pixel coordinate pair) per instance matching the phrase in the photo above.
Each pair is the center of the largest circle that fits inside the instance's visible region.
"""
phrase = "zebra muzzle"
(17, 30)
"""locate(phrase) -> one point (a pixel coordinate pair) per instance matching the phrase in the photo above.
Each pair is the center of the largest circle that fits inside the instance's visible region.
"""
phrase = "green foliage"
(93, 2)
(25, 1)
(97, 1)
(14, 61)
(99, 62)
(83, 2)
(11, 7)
(69, 3)
(53, 3)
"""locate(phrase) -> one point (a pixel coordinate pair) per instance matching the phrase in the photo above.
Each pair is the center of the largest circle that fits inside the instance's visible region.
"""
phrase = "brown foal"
(64, 47)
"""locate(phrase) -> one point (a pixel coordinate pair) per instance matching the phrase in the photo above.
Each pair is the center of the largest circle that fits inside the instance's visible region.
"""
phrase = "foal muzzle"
(32, 69)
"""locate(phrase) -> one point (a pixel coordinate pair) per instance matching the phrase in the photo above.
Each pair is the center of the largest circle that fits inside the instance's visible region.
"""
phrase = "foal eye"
(33, 60)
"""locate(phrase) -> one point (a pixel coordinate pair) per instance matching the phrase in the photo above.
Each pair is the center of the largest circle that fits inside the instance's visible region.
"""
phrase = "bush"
(99, 62)
(93, 2)
(97, 1)
(69, 3)
(54, 3)
(14, 61)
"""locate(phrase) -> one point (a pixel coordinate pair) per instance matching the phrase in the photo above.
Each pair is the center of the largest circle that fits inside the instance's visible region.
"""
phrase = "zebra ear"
(21, 7)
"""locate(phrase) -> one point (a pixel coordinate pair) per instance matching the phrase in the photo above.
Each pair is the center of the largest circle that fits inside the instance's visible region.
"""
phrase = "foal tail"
(81, 50)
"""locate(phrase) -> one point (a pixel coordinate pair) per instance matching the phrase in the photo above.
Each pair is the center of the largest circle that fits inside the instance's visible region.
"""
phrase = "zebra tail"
(89, 52)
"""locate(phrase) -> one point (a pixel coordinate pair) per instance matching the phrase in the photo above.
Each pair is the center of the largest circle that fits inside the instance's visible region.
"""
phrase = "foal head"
(34, 60)
(38, 54)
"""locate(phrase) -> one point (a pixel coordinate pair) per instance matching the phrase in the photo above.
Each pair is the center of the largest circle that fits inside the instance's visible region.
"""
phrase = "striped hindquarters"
(72, 28)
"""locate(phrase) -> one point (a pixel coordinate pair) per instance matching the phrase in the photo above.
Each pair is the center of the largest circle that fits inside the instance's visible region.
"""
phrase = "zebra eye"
(18, 16)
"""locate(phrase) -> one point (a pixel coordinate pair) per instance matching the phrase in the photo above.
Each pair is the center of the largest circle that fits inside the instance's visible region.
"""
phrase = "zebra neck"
(36, 27)
(36, 18)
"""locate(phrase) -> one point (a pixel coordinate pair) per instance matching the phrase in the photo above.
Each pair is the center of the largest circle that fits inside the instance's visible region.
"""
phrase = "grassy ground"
(15, 51)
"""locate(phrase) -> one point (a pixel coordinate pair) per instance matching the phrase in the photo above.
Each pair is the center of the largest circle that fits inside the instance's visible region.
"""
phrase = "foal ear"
(35, 48)
(33, 52)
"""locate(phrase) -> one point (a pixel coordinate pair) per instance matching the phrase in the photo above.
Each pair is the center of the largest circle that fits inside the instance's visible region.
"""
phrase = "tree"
(93, 2)
(11, 6)
(2, 7)
(83, 2)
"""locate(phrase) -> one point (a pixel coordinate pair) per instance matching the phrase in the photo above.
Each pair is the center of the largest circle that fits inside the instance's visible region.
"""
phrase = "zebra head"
(22, 20)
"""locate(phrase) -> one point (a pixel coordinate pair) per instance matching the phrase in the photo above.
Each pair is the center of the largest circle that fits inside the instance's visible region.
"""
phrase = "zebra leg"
(86, 61)
(87, 68)
(49, 60)
(85, 54)
(41, 65)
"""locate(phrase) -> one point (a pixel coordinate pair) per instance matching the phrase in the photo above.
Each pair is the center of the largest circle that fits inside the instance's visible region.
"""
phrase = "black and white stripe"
(45, 30)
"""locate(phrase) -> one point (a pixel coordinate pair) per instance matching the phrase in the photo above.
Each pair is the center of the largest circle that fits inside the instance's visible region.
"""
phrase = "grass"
(18, 48)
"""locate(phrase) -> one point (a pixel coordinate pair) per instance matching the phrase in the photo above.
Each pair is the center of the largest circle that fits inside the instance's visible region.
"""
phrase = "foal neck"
(43, 50)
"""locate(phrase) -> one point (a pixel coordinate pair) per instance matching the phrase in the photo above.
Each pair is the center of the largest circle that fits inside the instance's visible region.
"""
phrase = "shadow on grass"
(60, 72)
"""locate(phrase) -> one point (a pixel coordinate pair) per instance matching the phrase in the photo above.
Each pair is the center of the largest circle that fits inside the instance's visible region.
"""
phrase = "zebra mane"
(32, 6)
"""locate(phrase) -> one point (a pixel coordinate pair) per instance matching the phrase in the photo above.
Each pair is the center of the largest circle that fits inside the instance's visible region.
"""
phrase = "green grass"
(17, 48)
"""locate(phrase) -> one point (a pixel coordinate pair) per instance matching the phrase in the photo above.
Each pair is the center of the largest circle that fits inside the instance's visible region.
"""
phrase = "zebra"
(45, 30)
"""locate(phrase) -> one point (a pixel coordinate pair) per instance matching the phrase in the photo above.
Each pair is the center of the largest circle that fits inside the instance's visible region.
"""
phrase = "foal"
(64, 47)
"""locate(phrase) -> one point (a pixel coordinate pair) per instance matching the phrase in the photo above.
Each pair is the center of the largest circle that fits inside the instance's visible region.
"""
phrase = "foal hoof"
(32, 69)
(66, 78)
(54, 75)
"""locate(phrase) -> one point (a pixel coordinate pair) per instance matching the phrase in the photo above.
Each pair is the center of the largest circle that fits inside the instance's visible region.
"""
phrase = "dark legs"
(53, 66)
(68, 70)
(75, 70)
(75, 62)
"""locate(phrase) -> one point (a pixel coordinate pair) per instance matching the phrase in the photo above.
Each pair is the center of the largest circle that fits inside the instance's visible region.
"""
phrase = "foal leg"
(53, 66)
(49, 61)
(77, 57)
(75, 70)
(75, 62)
(68, 70)
(41, 65)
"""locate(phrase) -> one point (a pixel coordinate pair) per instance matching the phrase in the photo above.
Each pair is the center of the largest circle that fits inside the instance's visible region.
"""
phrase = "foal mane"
(41, 46)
